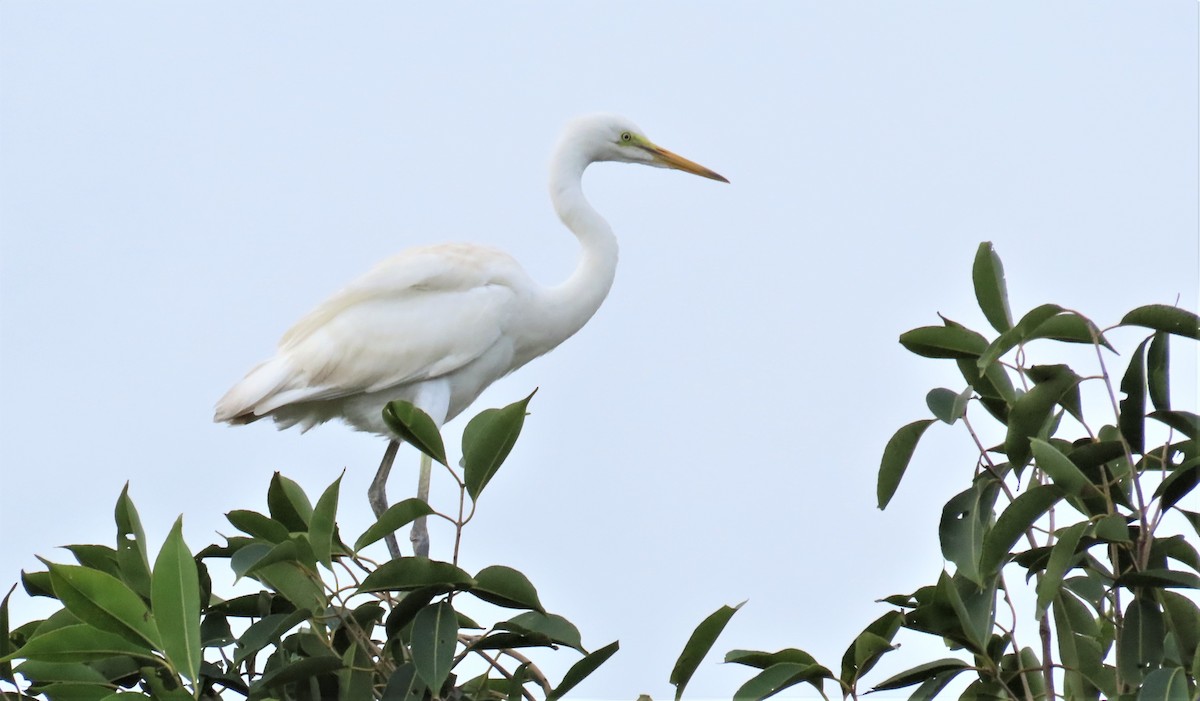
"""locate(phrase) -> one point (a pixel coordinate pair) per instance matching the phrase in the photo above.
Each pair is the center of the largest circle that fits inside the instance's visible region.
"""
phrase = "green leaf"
(404, 685)
(557, 628)
(1179, 483)
(1185, 422)
(922, 672)
(416, 428)
(1158, 371)
(1062, 556)
(295, 671)
(990, 290)
(1080, 491)
(776, 678)
(504, 586)
(1018, 334)
(303, 589)
(70, 672)
(1182, 617)
(77, 643)
(409, 573)
(1071, 328)
(6, 643)
(1165, 685)
(288, 503)
(434, 638)
(762, 660)
(1017, 518)
(582, 669)
(487, 441)
(948, 405)
(96, 557)
(1159, 578)
(323, 523)
(131, 545)
(1162, 317)
(253, 557)
(965, 519)
(357, 674)
(266, 631)
(896, 456)
(1132, 421)
(698, 645)
(1140, 647)
(105, 602)
(396, 517)
(258, 525)
(175, 595)
(1031, 412)
(944, 342)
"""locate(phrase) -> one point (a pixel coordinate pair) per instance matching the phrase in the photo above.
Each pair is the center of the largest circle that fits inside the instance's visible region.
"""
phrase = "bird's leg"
(377, 494)
(420, 532)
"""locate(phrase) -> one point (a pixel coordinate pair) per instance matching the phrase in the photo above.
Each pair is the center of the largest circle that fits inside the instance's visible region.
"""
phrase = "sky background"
(179, 182)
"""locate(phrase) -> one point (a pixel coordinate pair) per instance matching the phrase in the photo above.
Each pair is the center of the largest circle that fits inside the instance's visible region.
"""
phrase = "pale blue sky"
(181, 181)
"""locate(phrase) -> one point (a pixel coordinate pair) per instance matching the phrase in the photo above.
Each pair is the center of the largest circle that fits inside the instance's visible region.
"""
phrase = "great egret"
(436, 325)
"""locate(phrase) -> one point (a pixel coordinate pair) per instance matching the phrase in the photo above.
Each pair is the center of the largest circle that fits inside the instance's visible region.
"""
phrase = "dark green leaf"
(434, 638)
(1162, 317)
(409, 573)
(70, 672)
(698, 645)
(131, 545)
(559, 629)
(77, 643)
(1182, 617)
(404, 685)
(175, 594)
(775, 679)
(991, 292)
(258, 525)
(1158, 368)
(96, 557)
(37, 584)
(1018, 334)
(582, 669)
(1017, 518)
(1169, 684)
(487, 440)
(1031, 412)
(1061, 559)
(507, 587)
(922, 672)
(1071, 328)
(397, 516)
(1185, 422)
(256, 556)
(762, 660)
(6, 643)
(947, 405)
(1162, 578)
(944, 342)
(323, 523)
(1132, 421)
(288, 503)
(266, 631)
(357, 674)
(1140, 648)
(298, 670)
(416, 428)
(965, 519)
(1179, 483)
(105, 602)
(896, 456)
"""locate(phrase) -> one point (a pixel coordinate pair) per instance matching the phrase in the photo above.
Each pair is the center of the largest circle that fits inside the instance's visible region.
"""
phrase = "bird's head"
(607, 137)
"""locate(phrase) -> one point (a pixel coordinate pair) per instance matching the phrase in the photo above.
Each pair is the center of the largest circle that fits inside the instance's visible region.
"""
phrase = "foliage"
(1084, 518)
(327, 622)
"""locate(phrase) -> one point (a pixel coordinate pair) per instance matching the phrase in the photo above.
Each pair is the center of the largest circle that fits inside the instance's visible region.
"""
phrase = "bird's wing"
(415, 316)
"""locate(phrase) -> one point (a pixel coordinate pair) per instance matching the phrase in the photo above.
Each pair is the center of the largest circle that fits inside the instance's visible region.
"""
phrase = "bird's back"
(424, 314)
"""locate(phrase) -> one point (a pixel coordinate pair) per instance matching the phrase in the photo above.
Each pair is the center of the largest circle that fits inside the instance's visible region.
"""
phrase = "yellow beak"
(674, 160)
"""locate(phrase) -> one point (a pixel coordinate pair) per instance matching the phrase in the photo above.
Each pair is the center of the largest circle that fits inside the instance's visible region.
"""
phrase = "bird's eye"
(626, 136)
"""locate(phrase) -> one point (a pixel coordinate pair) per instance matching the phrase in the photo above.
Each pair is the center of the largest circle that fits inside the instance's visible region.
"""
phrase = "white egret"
(436, 325)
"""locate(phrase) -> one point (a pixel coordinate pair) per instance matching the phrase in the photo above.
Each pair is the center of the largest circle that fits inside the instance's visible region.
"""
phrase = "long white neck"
(567, 307)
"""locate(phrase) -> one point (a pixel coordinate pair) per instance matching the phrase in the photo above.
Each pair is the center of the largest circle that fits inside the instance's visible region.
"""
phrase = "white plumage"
(436, 325)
